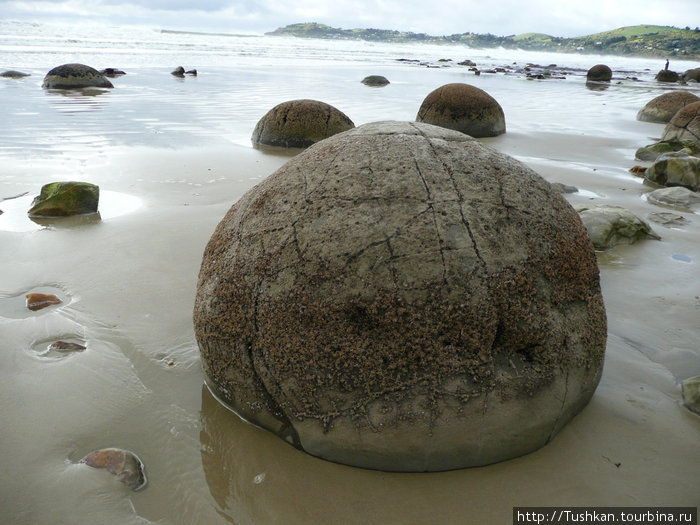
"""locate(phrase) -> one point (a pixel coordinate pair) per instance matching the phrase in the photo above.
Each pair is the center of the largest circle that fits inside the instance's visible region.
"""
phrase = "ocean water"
(171, 155)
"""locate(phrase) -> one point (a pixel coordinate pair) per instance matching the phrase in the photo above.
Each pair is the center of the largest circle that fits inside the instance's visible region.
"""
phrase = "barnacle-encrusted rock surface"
(464, 108)
(75, 76)
(685, 125)
(664, 107)
(299, 124)
(402, 297)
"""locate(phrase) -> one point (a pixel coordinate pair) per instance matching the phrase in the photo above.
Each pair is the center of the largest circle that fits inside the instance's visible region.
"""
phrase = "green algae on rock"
(299, 124)
(388, 299)
(609, 226)
(652, 151)
(63, 199)
(691, 394)
(675, 169)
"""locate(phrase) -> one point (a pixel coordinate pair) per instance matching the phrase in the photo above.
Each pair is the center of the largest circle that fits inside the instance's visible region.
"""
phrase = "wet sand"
(128, 282)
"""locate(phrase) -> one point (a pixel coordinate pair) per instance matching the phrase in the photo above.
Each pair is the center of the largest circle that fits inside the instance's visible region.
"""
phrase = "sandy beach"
(128, 281)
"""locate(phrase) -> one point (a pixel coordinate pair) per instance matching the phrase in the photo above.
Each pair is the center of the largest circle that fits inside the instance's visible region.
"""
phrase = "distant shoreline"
(642, 40)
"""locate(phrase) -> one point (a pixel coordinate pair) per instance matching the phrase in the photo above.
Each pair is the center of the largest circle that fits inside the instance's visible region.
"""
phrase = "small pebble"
(124, 464)
(37, 301)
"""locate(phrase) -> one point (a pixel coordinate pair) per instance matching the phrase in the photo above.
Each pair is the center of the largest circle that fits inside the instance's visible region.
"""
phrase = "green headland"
(640, 40)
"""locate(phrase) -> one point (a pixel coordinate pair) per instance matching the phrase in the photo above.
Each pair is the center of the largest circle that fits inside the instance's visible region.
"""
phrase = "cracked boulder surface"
(685, 124)
(299, 124)
(402, 297)
(464, 108)
(75, 76)
(664, 107)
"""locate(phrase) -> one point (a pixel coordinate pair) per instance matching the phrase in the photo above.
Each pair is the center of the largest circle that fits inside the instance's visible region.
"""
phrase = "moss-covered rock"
(609, 226)
(464, 108)
(653, 151)
(675, 169)
(62, 199)
(299, 124)
(691, 394)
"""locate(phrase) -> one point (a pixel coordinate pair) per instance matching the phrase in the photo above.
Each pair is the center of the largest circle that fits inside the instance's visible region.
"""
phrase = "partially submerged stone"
(388, 299)
(664, 107)
(666, 75)
(676, 197)
(692, 75)
(11, 73)
(599, 73)
(39, 301)
(126, 465)
(375, 81)
(668, 219)
(63, 199)
(299, 124)
(653, 151)
(75, 76)
(609, 226)
(66, 346)
(675, 169)
(685, 125)
(691, 394)
(178, 72)
(464, 108)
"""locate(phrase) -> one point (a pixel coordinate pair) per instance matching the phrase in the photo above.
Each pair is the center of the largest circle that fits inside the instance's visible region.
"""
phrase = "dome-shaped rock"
(653, 151)
(692, 75)
(402, 297)
(685, 125)
(74, 76)
(464, 108)
(664, 107)
(666, 75)
(599, 73)
(609, 226)
(299, 124)
(375, 81)
(675, 169)
(675, 197)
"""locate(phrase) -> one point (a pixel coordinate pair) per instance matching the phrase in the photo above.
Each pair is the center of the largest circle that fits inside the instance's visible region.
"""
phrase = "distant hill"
(641, 40)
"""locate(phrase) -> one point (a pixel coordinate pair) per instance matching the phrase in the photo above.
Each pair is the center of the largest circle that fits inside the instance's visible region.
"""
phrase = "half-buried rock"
(299, 124)
(599, 73)
(126, 465)
(75, 76)
(464, 108)
(63, 199)
(402, 297)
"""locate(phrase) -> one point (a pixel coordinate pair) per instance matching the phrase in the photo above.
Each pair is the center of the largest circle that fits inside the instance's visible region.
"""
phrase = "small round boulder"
(666, 75)
(464, 108)
(402, 297)
(375, 81)
(299, 124)
(75, 76)
(685, 124)
(599, 73)
(664, 107)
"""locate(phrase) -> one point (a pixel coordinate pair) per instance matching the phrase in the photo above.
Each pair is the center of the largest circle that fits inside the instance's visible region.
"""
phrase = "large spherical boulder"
(299, 124)
(75, 76)
(664, 107)
(464, 108)
(599, 73)
(402, 297)
(692, 75)
(685, 125)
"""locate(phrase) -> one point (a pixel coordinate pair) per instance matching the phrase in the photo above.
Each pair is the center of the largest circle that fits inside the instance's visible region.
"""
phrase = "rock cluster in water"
(464, 108)
(75, 76)
(388, 299)
(299, 124)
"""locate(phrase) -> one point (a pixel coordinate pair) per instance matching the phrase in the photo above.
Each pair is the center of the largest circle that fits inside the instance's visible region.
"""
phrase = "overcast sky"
(500, 17)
